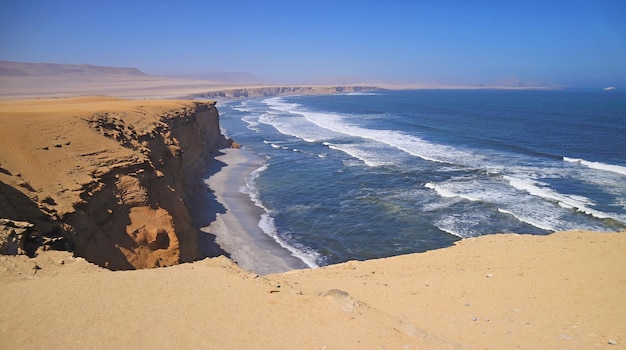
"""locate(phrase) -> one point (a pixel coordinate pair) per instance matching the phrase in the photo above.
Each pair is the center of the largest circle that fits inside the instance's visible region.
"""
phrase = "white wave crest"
(540, 206)
(252, 122)
(404, 142)
(371, 159)
(267, 225)
(308, 256)
(534, 188)
(447, 193)
(296, 125)
(575, 202)
(618, 169)
(529, 219)
(362, 94)
(277, 103)
(335, 123)
(463, 225)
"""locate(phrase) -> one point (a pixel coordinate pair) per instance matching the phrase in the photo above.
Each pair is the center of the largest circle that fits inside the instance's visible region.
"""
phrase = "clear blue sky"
(574, 43)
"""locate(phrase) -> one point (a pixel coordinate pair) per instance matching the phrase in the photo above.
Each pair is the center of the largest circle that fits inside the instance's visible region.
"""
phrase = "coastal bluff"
(109, 179)
(263, 91)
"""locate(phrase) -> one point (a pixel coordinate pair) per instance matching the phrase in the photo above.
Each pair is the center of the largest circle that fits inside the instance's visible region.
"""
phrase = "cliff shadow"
(100, 236)
(15, 205)
(205, 209)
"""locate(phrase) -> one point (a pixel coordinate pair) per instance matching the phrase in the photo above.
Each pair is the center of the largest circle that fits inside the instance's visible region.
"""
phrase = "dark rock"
(12, 236)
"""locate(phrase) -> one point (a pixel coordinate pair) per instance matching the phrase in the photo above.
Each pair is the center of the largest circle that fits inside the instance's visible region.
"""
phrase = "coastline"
(236, 224)
(561, 291)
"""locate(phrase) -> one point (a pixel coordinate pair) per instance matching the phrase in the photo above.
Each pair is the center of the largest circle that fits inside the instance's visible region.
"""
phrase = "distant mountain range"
(516, 82)
(22, 69)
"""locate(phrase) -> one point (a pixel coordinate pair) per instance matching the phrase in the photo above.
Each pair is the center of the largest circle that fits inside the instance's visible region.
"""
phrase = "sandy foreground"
(562, 291)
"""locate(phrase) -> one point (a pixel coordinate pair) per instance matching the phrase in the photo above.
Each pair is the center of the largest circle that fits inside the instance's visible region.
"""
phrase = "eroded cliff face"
(109, 179)
(284, 90)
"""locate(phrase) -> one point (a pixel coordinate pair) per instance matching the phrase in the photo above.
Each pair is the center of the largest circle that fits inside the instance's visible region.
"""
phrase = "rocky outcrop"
(121, 197)
(12, 236)
(284, 90)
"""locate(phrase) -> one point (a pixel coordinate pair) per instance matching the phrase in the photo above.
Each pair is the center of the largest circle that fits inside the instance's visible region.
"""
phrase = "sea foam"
(410, 144)
(618, 169)
(578, 203)
(268, 226)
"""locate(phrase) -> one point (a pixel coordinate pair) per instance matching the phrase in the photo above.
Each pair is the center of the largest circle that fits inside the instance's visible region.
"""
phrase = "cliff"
(283, 90)
(21, 80)
(109, 179)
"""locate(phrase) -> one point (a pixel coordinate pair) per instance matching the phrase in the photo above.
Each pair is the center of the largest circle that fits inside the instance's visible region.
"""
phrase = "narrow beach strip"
(236, 225)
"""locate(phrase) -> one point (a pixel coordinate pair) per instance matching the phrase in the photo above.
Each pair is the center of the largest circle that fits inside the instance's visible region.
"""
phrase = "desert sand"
(45, 80)
(118, 86)
(563, 291)
(566, 290)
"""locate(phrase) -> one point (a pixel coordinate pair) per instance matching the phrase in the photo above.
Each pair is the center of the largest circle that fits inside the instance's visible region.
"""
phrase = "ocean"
(371, 175)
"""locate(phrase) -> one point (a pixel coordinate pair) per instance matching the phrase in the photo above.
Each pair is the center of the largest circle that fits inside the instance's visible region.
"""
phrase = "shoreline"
(236, 224)
(560, 291)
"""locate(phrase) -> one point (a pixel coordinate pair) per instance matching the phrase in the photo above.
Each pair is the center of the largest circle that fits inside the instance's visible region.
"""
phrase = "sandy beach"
(237, 225)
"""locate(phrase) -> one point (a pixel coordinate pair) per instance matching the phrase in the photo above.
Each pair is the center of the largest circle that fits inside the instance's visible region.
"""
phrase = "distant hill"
(23, 69)
(514, 82)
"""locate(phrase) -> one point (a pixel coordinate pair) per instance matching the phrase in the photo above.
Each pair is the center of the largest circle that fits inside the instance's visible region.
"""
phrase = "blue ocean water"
(361, 176)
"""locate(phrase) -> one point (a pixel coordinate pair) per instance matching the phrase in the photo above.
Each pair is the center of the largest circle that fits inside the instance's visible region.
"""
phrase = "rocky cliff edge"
(109, 179)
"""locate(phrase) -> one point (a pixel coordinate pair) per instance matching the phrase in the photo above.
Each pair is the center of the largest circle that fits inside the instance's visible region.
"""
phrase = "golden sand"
(563, 291)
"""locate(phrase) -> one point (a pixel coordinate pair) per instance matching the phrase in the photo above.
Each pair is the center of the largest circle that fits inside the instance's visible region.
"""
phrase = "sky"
(569, 43)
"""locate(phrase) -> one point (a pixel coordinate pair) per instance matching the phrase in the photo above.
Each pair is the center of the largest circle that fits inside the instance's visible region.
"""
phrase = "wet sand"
(237, 224)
